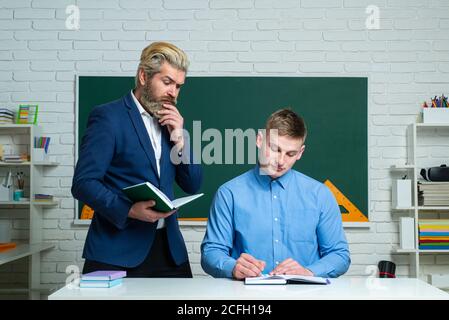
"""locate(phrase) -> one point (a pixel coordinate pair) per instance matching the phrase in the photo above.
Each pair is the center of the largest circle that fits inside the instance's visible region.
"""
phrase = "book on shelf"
(147, 191)
(7, 112)
(433, 185)
(6, 116)
(13, 158)
(430, 203)
(433, 201)
(433, 221)
(286, 279)
(104, 275)
(5, 246)
(4, 119)
(39, 197)
(100, 283)
(430, 247)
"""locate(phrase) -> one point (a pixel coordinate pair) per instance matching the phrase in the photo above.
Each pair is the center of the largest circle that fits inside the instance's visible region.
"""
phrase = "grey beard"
(152, 107)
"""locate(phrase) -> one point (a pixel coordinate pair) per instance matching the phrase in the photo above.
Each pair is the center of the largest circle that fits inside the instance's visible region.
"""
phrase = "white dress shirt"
(154, 133)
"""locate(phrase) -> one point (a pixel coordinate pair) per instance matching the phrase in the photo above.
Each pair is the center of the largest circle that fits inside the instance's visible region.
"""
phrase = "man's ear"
(301, 151)
(142, 77)
(259, 139)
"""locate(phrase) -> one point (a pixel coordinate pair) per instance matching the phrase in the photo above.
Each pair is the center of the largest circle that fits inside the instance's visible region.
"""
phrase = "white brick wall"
(407, 61)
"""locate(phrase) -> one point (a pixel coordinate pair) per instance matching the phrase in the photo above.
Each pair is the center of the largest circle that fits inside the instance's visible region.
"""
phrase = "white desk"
(225, 289)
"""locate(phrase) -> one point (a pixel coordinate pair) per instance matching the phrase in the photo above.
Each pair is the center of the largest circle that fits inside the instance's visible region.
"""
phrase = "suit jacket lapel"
(141, 131)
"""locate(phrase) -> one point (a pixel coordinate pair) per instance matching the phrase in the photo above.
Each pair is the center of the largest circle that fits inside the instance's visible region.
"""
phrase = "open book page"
(147, 191)
(182, 201)
(306, 279)
(161, 195)
(266, 279)
(285, 279)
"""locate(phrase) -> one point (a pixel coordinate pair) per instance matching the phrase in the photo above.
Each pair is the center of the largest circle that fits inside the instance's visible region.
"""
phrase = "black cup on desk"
(387, 269)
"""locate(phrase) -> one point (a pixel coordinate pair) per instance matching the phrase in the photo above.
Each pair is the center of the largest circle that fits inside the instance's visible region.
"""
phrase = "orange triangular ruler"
(353, 214)
(87, 212)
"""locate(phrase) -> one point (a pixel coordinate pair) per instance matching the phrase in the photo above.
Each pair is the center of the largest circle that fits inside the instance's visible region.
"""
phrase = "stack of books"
(432, 193)
(433, 234)
(13, 158)
(39, 197)
(6, 116)
(102, 279)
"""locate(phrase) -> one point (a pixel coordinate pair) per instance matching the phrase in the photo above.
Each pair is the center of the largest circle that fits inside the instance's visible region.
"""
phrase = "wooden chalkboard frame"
(364, 119)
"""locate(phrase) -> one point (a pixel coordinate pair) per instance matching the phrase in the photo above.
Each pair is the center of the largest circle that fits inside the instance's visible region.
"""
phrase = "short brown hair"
(154, 55)
(288, 123)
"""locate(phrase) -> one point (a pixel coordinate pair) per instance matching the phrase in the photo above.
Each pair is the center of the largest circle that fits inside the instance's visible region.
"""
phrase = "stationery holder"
(6, 187)
(5, 193)
(402, 193)
(436, 115)
(39, 154)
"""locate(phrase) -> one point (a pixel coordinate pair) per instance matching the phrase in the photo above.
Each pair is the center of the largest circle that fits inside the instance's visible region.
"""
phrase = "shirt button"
(277, 262)
(275, 219)
(275, 197)
(276, 240)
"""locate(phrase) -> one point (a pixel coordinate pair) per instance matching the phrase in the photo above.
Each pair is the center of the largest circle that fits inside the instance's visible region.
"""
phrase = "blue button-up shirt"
(293, 216)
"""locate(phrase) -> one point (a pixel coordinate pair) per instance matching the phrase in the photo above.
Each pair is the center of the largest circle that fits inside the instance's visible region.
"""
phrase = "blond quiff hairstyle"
(154, 55)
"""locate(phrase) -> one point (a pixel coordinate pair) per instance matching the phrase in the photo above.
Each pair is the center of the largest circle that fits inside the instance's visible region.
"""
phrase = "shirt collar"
(265, 179)
(142, 111)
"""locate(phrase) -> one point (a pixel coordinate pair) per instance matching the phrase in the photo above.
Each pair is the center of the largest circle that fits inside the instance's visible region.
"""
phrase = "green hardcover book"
(146, 191)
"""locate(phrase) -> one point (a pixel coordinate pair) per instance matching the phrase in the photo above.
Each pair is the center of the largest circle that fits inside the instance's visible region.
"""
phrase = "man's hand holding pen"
(248, 266)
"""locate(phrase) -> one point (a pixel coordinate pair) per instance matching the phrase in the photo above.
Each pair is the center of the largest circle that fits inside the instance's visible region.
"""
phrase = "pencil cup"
(18, 194)
(387, 269)
(39, 154)
(436, 115)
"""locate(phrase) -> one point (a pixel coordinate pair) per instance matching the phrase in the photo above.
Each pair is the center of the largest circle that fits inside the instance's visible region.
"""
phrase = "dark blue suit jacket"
(116, 152)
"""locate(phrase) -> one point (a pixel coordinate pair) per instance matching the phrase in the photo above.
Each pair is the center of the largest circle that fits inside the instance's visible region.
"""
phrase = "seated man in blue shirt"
(273, 219)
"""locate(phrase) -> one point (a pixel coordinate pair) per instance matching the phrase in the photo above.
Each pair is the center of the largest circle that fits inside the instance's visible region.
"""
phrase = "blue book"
(100, 283)
(104, 275)
(421, 247)
(438, 234)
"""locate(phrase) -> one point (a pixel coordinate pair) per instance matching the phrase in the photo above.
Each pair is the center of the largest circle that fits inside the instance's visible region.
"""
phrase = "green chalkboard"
(335, 111)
